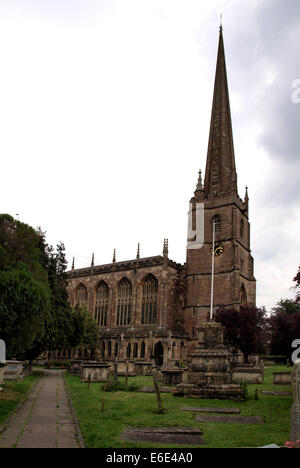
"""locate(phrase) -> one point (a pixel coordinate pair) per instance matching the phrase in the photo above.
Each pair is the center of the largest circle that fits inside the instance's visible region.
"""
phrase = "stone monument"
(295, 409)
(2, 359)
(209, 373)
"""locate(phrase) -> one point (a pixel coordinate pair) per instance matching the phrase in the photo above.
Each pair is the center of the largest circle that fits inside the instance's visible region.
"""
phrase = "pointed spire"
(199, 186)
(246, 199)
(138, 252)
(73, 264)
(93, 260)
(166, 248)
(220, 174)
(114, 256)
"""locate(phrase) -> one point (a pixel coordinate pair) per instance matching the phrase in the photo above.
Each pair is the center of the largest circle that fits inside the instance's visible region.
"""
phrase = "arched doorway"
(159, 354)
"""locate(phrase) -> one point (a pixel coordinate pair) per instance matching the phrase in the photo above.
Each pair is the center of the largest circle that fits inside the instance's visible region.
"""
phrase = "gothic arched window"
(243, 296)
(135, 350)
(101, 306)
(124, 302)
(128, 352)
(149, 301)
(143, 349)
(81, 295)
(242, 228)
(109, 349)
(103, 350)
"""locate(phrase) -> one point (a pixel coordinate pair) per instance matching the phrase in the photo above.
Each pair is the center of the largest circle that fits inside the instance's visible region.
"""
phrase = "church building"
(148, 309)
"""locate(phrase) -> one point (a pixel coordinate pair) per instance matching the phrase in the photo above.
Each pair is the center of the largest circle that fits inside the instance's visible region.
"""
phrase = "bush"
(64, 364)
(244, 386)
(120, 387)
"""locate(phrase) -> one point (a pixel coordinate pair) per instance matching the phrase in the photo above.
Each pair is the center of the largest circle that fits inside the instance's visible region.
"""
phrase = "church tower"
(218, 202)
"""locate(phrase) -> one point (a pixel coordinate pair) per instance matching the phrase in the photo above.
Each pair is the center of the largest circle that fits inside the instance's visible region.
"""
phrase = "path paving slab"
(45, 420)
(204, 409)
(164, 435)
(222, 418)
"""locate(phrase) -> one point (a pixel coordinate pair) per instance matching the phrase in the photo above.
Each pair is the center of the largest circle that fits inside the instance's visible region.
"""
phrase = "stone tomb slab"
(204, 409)
(164, 435)
(265, 392)
(223, 418)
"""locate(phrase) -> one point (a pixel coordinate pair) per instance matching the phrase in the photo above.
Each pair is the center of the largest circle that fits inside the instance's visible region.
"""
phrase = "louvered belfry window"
(124, 302)
(217, 223)
(149, 302)
(101, 305)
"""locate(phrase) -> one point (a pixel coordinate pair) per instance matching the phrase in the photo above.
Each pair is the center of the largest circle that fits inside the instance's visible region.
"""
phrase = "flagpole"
(212, 274)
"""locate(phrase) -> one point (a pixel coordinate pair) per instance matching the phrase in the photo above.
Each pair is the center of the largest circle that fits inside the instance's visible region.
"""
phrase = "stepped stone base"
(219, 392)
(209, 374)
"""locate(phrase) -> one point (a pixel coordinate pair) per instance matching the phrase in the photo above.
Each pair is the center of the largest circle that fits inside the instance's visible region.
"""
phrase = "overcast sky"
(104, 116)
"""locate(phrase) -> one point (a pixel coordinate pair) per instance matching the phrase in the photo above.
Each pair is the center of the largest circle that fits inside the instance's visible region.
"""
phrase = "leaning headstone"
(2, 359)
(295, 409)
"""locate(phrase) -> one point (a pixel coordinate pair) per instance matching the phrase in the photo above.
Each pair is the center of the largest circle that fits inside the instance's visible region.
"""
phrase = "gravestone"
(2, 352)
(163, 435)
(2, 359)
(13, 370)
(295, 409)
(223, 418)
(205, 409)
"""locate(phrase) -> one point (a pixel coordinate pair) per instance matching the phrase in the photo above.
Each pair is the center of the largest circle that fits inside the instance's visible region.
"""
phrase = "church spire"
(220, 174)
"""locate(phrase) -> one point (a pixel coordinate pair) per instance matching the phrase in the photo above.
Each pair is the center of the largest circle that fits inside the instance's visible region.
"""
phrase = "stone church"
(148, 309)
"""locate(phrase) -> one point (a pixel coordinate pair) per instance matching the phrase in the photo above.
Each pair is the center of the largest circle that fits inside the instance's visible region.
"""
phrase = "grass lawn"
(124, 409)
(13, 393)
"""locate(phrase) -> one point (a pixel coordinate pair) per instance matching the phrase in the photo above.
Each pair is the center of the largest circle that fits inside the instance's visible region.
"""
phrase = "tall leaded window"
(101, 305)
(81, 295)
(124, 302)
(143, 350)
(242, 225)
(149, 301)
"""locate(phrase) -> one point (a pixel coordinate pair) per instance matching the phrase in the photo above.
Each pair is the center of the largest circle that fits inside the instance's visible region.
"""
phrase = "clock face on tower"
(219, 248)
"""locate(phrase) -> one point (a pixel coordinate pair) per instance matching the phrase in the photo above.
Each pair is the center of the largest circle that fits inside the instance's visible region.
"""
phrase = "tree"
(297, 287)
(287, 305)
(24, 309)
(60, 324)
(85, 329)
(284, 327)
(35, 312)
(245, 328)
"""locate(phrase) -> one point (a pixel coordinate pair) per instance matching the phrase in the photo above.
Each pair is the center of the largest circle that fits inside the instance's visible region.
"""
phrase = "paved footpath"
(45, 419)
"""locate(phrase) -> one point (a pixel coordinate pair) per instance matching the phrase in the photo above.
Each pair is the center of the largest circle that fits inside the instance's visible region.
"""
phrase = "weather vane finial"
(221, 26)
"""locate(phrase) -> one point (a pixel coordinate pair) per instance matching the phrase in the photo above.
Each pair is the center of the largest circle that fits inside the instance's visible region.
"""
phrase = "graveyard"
(103, 426)
(106, 339)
